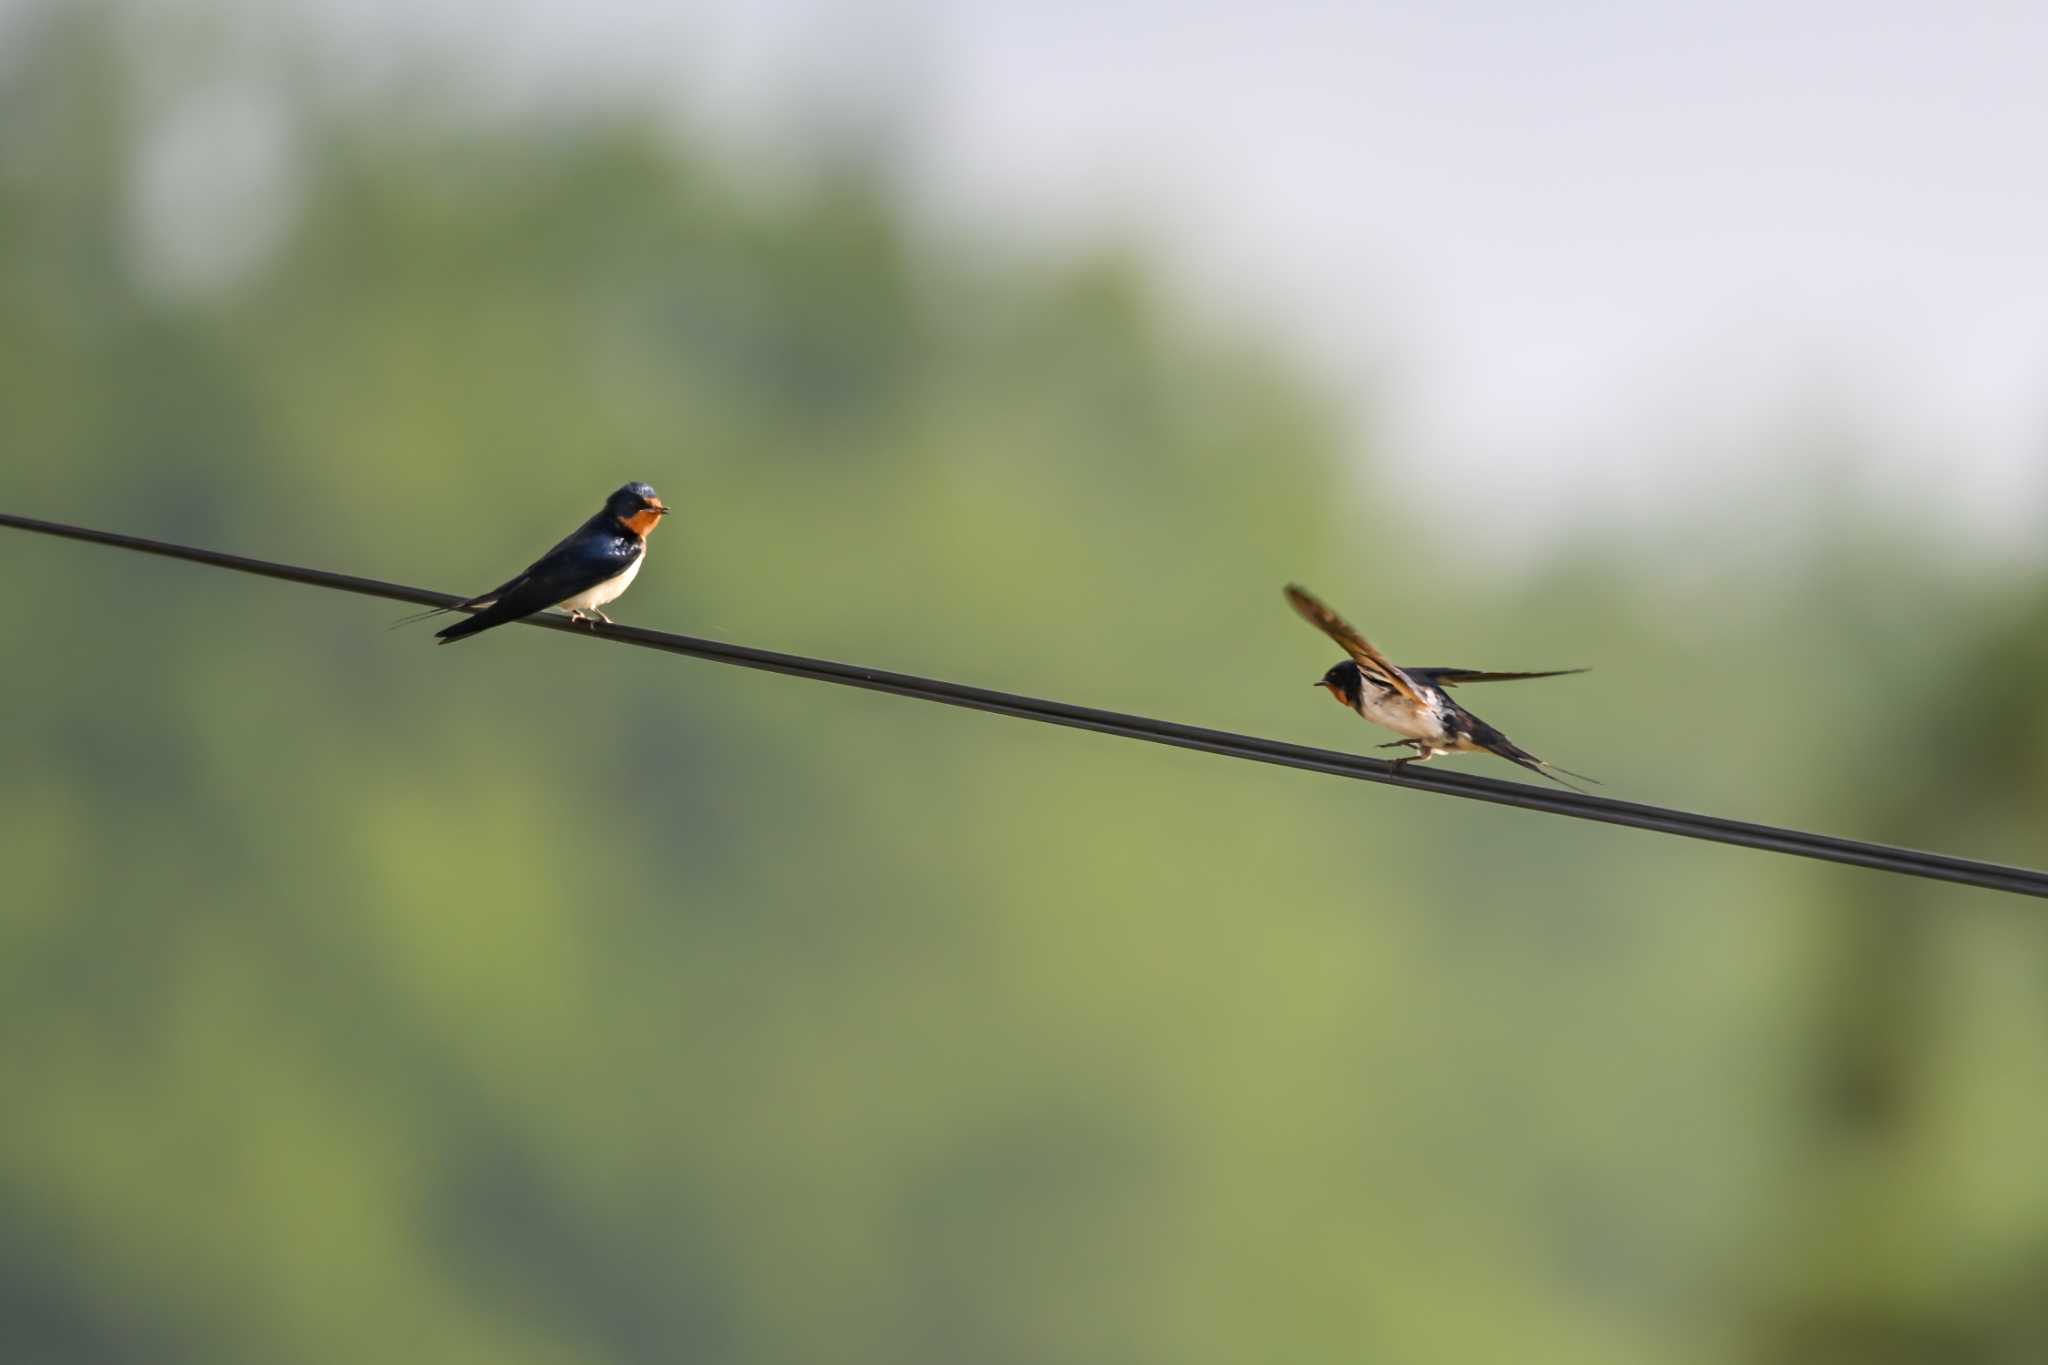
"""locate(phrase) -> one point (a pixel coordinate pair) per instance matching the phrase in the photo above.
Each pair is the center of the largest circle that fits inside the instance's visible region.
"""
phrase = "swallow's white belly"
(592, 598)
(1400, 715)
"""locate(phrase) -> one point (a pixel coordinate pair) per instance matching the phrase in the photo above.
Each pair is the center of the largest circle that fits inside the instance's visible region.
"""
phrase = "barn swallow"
(590, 567)
(1414, 702)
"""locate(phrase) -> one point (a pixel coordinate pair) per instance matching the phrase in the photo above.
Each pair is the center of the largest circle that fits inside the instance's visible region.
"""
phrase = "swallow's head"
(636, 508)
(1345, 683)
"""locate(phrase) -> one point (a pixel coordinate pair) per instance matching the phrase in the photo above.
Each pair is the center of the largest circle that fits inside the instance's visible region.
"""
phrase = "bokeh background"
(539, 1001)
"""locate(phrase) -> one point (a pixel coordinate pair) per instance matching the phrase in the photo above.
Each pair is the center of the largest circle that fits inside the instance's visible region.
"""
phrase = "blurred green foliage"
(537, 1001)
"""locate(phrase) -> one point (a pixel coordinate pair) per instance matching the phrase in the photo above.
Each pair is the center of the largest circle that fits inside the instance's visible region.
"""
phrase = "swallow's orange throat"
(642, 521)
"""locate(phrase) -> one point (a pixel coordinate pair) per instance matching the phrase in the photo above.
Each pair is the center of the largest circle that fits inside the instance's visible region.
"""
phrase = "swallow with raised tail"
(1414, 702)
(590, 567)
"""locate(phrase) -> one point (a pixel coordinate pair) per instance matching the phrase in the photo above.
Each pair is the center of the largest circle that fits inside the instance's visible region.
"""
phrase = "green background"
(542, 1001)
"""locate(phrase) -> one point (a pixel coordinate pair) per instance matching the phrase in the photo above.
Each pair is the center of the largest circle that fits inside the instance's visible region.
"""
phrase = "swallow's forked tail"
(418, 616)
(455, 631)
(1500, 744)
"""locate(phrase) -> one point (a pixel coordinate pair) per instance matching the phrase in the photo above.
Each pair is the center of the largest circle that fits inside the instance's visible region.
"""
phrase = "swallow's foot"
(1423, 753)
(575, 615)
(600, 616)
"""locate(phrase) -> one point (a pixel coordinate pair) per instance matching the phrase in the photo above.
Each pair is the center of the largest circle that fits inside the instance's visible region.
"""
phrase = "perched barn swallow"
(1414, 702)
(590, 567)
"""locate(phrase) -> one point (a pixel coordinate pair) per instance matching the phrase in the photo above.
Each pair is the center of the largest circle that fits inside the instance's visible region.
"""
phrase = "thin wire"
(1555, 801)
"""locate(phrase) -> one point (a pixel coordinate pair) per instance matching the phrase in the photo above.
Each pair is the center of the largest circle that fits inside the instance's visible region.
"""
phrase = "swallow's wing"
(503, 590)
(577, 561)
(1451, 677)
(583, 559)
(1373, 663)
(509, 586)
(553, 579)
(576, 565)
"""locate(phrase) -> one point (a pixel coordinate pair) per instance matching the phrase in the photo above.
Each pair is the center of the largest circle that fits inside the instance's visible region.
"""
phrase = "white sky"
(1599, 263)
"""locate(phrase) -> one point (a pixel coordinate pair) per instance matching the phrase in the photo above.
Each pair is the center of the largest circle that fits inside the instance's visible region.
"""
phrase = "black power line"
(1557, 801)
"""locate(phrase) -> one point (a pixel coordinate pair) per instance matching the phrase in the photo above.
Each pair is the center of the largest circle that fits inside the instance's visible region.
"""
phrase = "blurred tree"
(1920, 1234)
(525, 1002)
